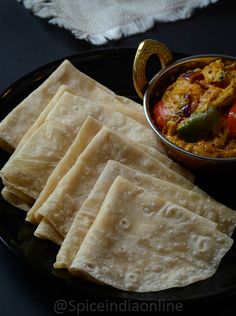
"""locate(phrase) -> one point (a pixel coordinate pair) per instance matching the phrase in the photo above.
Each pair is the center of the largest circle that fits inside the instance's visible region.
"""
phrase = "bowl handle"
(145, 50)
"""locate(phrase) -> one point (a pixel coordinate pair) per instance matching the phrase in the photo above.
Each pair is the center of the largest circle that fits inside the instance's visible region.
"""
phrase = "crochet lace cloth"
(98, 21)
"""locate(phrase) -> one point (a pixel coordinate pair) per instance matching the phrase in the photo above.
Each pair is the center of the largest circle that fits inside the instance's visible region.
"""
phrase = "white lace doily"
(101, 20)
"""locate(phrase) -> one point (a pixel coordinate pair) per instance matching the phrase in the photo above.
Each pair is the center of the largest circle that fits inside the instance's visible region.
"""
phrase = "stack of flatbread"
(93, 179)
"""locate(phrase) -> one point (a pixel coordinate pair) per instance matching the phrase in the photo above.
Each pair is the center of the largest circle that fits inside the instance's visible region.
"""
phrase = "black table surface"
(27, 42)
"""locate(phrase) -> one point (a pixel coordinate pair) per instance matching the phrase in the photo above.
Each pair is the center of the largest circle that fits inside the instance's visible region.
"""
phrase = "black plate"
(113, 68)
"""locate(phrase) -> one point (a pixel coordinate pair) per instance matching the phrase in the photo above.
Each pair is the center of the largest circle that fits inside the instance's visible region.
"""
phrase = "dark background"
(27, 42)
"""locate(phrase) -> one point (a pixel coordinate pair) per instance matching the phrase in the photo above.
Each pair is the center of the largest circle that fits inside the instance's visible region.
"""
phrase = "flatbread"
(141, 243)
(11, 196)
(73, 189)
(88, 130)
(15, 124)
(46, 231)
(195, 202)
(114, 104)
(29, 169)
(156, 154)
(43, 115)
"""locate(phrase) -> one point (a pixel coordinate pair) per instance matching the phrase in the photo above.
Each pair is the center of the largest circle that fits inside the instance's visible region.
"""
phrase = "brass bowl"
(151, 91)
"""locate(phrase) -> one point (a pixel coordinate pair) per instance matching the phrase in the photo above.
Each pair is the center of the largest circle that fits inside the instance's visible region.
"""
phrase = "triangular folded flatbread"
(17, 199)
(29, 169)
(224, 217)
(46, 231)
(42, 117)
(73, 189)
(18, 122)
(88, 130)
(114, 105)
(10, 194)
(140, 242)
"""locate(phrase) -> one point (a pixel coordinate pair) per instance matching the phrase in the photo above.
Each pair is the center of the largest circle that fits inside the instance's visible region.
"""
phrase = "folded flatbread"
(18, 121)
(11, 194)
(167, 162)
(73, 189)
(224, 217)
(114, 104)
(42, 117)
(46, 231)
(29, 169)
(88, 130)
(17, 199)
(139, 242)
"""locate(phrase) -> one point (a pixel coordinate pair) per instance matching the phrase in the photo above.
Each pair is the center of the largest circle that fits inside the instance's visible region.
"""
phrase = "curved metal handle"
(143, 53)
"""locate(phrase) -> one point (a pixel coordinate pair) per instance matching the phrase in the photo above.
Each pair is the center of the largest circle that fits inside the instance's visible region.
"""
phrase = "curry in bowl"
(198, 111)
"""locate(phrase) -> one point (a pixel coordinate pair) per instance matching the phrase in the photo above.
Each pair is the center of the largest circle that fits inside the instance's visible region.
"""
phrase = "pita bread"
(141, 243)
(204, 206)
(15, 125)
(29, 169)
(67, 198)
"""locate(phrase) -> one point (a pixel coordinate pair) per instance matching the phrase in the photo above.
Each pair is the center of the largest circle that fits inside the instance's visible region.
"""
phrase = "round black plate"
(113, 68)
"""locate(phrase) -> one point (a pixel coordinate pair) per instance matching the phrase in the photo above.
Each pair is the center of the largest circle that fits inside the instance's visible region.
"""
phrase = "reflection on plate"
(113, 68)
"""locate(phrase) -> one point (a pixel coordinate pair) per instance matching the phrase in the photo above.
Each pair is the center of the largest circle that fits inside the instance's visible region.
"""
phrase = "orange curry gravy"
(198, 111)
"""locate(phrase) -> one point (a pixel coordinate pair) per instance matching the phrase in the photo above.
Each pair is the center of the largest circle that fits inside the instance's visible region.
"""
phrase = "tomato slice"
(231, 121)
(160, 112)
